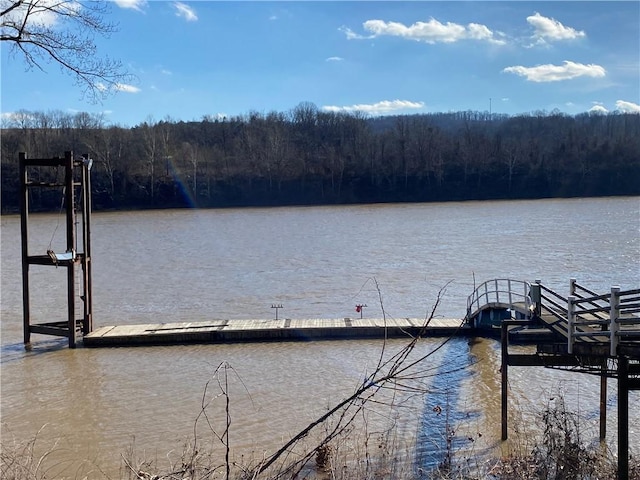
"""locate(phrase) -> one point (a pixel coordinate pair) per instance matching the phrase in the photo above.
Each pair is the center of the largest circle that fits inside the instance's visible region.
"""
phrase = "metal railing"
(503, 292)
(611, 317)
(583, 316)
(552, 303)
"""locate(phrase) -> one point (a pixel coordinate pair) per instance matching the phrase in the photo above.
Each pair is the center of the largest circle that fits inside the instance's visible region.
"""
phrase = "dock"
(234, 331)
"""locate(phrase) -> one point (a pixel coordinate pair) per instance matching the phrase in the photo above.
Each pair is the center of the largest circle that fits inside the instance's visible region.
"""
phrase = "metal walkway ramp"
(500, 294)
(610, 320)
(598, 334)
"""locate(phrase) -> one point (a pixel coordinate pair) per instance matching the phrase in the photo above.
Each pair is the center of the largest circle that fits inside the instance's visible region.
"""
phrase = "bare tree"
(63, 32)
(150, 136)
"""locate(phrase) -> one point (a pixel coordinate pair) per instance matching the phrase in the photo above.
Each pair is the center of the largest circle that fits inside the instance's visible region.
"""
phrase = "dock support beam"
(87, 324)
(71, 245)
(504, 340)
(603, 400)
(24, 235)
(623, 418)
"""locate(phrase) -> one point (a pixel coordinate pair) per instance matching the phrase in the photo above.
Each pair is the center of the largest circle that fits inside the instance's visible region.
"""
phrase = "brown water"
(319, 262)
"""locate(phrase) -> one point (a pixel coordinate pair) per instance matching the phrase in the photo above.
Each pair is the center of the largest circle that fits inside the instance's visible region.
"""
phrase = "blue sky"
(192, 59)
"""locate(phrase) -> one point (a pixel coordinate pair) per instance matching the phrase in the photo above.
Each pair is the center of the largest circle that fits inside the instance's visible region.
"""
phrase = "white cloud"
(380, 108)
(123, 87)
(132, 4)
(598, 109)
(273, 17)
(45, 13)
(164, 71)
(351, 35)
(334, 59)
(429, 32)
(475, 31)
(118, 87)
(627, 107)
(549, 29)
(185, 11)
(554, 73)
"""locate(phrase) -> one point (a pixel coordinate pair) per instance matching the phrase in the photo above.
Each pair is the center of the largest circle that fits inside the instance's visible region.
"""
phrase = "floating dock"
(230, 331)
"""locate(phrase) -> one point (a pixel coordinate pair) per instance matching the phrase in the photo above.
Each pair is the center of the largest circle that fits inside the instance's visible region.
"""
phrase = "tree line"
(307, 156)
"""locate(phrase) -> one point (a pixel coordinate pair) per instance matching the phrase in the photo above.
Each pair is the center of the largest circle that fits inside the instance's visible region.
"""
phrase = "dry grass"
(355, 454)
(41, 458)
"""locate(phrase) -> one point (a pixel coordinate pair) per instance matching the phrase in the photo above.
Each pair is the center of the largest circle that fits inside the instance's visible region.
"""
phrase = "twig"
(396, 366)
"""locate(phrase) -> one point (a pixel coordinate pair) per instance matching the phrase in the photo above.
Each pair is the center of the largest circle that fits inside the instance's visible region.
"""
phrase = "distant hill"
(307, 156)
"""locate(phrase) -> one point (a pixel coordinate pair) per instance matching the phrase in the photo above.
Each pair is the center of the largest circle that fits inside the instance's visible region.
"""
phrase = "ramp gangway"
(500, 293)
(584, 317)
(592, 333)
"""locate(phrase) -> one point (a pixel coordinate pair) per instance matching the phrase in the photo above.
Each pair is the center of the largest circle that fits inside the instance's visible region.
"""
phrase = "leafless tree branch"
(63, 32)
(387, 374)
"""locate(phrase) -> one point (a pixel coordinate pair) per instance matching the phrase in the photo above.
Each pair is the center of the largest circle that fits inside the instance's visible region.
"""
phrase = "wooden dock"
(229, 331)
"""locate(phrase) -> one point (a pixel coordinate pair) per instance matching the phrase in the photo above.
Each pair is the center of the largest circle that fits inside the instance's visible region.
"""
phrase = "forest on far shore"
(306, 156)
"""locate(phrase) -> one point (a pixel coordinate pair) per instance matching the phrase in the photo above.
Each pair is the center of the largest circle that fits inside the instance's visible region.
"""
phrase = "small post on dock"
(536, 297)
(277, 306)
(360, 308)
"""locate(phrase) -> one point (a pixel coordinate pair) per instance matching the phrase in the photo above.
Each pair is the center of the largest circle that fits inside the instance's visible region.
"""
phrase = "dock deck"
(228, 331)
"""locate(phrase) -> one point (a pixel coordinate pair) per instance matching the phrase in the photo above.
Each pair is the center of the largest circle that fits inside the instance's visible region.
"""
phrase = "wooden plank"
(102, 331)
(49, 330)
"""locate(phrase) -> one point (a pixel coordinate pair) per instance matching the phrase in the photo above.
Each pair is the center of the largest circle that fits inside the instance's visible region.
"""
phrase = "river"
(90, 406)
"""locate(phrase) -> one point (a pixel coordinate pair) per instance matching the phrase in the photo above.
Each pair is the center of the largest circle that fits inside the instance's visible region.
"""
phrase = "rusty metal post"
(87, 324)
(70, 203)
(603, 400)
(24, 232)
(504, 341)
(623, 418)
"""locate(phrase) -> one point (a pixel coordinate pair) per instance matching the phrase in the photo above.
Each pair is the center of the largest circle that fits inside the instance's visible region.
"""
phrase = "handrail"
(548, 290)
(593, 299)
(608, 315)
(580, 287)
(502, 291)
(601, 318)
(560, 311)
